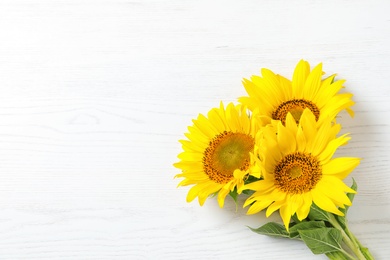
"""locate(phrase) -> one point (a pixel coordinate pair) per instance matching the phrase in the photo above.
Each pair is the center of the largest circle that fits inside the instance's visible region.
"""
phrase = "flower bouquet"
(276, 147)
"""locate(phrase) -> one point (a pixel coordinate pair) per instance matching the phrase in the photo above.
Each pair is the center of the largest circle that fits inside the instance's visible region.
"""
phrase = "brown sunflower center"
(227, 152)
(295, 107)
(297, 173)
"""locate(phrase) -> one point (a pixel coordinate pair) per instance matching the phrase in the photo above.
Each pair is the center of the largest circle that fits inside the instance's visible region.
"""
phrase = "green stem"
(367, 254)
(339, 255)
(351, 241)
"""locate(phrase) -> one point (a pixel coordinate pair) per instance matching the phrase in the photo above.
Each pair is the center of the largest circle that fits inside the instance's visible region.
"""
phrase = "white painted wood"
(95, 94)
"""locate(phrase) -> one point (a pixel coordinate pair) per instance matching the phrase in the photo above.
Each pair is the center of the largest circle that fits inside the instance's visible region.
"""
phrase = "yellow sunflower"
(216, 156)
(298, 168)
(275, 96)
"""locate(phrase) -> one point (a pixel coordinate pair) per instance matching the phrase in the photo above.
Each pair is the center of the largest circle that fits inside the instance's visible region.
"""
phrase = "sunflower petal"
(331, 148)
(286, 139)
(258, 206)
(273, 207)
(302, 70)
(313, 83)
(323, 202)
(304, 209)
(285, 213)
(340, 167)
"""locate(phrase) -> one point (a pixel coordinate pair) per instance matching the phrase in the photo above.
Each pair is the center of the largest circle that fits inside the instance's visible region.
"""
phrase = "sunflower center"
(295, 107)
(227, 152)
(297, 173)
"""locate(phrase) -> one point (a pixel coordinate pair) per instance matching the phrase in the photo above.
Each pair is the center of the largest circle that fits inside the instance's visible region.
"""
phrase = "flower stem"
(361, 252)
(339, 255)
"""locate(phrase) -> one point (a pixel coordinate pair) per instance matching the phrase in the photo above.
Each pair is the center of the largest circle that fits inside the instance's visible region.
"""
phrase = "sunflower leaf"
(318, 214)
(307, 225)
(272, 229)
(322, 240)
(342, 219)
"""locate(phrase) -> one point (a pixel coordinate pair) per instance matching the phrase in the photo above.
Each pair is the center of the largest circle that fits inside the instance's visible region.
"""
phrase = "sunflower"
(275, 96)
(298, 168)
(216, 156)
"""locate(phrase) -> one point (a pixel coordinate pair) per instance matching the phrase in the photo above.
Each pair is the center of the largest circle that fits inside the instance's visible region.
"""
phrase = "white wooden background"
(95, 94)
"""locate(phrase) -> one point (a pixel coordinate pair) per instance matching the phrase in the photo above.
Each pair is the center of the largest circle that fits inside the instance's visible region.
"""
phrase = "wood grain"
(95, 94)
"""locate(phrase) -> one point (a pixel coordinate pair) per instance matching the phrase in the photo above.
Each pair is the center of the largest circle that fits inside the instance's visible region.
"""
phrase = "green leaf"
(342, 219)
(318, 214)
(322, 240)
(272, 229)
(307, 225)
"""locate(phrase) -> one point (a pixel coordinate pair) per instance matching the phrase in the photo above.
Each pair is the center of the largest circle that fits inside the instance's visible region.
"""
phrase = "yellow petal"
(323, 202)
(221, 197)
(285, 213)
(265, 92)
(308, 125)
(286, 140)
(217, 120)
(291, 124)
(338, 196)
(301, 72)
(274, 207)
(256, 95)
(327, 91)
(206, 190)
(272, 83)
(232, 118)
(197, 136)
(187, 165)
(304, 209)
(190, 156)
(277, 195)
(193, 192)
(301, 140)
(294, 201)
(336, 184)
(191, 146)
(285, 86)
(205, 126)
(258, 206)
(340, 167)
(262, 186)
(331, 148)
(313, 83)
(321, 139)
